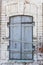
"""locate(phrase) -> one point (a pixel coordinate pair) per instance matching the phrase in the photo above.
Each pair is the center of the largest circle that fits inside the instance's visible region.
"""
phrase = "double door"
(21, 41)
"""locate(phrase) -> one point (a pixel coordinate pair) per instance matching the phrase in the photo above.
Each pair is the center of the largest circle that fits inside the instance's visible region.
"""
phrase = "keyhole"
(15, 45)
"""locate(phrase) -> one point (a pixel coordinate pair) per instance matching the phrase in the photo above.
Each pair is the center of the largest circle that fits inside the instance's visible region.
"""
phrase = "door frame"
(9, 33)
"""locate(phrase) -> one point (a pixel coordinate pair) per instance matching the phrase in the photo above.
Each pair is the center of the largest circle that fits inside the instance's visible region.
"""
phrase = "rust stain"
(41, 50)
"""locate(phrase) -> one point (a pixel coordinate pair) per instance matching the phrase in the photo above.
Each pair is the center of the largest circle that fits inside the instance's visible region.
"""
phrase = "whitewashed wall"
(12, 8)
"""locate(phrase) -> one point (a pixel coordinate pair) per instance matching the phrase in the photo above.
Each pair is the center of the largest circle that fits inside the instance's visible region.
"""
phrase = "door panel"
(26, 56)
(15, 20)
(14, 54)
(26, 19)
(15, 36)
(27, 44)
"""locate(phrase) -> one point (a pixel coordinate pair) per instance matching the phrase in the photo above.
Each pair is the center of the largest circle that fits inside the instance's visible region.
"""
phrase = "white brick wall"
(11, 8)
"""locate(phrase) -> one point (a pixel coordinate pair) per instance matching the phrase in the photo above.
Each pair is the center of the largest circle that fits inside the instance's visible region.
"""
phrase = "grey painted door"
(20, 38)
